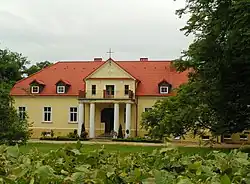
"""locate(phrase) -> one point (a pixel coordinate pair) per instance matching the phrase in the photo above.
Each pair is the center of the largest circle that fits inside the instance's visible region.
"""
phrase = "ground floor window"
(22, 112)
(73, 114)
(47, 114)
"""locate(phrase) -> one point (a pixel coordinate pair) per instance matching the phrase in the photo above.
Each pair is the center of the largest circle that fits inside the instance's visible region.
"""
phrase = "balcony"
(104, 94)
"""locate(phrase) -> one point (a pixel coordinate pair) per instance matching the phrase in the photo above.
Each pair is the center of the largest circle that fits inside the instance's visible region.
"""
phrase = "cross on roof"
(110, 53)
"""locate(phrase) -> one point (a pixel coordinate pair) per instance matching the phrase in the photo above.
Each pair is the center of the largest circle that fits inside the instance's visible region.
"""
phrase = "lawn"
(121, 149)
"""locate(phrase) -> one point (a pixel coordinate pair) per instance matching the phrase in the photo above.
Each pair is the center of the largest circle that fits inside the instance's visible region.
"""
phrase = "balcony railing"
(104, 94)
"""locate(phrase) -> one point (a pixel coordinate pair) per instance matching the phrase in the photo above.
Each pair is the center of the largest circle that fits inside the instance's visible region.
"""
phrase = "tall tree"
(219, 59)
(12, 66)
(12, 127)
(37, 67)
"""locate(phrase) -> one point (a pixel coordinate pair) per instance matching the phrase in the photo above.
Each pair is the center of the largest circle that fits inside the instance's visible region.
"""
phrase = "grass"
(121, 149)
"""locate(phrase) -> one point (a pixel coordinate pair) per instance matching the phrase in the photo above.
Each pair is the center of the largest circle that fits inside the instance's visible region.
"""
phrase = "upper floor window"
(22, 112)
(73, 114)
(126, 89)
(60, 89)
(34, 89)
(164, 89)
(110, 89)
(47, 114)
(93, 89)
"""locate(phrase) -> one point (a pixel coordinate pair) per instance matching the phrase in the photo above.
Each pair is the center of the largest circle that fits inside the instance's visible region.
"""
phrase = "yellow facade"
(108, 74)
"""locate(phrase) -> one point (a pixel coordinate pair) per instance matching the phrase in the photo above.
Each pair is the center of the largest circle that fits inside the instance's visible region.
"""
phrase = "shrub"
(166, 165)
(13, 129)
(83, 132)
(138, 139)
(120, 134)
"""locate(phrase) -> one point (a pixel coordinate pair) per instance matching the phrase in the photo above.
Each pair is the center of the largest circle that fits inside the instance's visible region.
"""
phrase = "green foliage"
(12, 66)
(220, 60)
(37, 67)
(167, 165)
(217, 94)
(13, 129)
(84, 134)
(120, 133)
(137, 139)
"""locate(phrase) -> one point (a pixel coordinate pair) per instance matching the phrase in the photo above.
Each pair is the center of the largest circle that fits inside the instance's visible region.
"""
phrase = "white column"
(128, 120)
(80, 118)
(116, 118)
(92, 121)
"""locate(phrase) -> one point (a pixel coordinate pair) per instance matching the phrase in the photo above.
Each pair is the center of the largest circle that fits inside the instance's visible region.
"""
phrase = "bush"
(120, 134)
(166, 165)
(13, 129)
(137, 139)
(83, 132)
(63, 138)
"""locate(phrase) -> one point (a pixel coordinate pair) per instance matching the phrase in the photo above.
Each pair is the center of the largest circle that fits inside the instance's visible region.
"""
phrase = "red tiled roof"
(149, 73)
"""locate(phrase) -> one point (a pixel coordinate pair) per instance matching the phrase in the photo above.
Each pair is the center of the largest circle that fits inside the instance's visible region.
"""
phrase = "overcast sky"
(83, 29)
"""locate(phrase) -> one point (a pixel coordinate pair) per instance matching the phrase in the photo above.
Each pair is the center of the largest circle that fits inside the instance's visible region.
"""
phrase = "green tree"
(37, 67)
(13, 128)
(218, 92)
(12, 67)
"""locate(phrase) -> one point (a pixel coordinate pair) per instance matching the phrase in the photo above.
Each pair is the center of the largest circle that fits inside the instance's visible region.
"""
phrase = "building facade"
(101, 94)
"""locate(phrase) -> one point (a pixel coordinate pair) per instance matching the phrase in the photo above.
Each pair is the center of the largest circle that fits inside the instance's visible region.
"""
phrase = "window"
(47, 114)
(93, 89)
(126, 89)
(164, 89)
(22, 112)
(110, 89)
(60, 89)
(148, 109)
(73, 114)
(35, 89)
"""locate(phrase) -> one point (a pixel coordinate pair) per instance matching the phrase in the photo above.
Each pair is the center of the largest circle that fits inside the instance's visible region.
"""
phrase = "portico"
(104, 118)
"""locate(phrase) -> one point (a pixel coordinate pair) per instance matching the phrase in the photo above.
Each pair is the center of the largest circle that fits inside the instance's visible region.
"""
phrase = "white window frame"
(47, 112)
(60, 88)
(33, 87)
(23, 112)
(73, 113)
(164, 87)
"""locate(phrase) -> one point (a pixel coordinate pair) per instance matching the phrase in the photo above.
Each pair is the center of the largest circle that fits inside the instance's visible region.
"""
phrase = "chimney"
(97, 59)
(143, 59)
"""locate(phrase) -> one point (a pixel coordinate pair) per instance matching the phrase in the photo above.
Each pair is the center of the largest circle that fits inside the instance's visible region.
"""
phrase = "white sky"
(83, 29)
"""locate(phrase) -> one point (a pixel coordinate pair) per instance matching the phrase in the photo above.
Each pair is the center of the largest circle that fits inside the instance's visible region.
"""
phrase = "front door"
(107, 116)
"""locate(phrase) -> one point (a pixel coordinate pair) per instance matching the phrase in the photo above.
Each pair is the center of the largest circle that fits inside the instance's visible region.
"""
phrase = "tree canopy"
(37, 67)
(217, 94)
(12, 67)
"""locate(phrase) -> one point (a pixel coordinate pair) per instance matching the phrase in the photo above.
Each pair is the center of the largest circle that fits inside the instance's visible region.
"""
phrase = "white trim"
(60, 87)
(32, 89)
(74, 113)
(43, 120)
(25, 111)
(164, 87)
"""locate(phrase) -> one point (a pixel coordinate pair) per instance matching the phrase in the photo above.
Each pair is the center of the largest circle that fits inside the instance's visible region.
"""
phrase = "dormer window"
(34, 89)
(164, 89)
(60, 89)
(62, 86)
